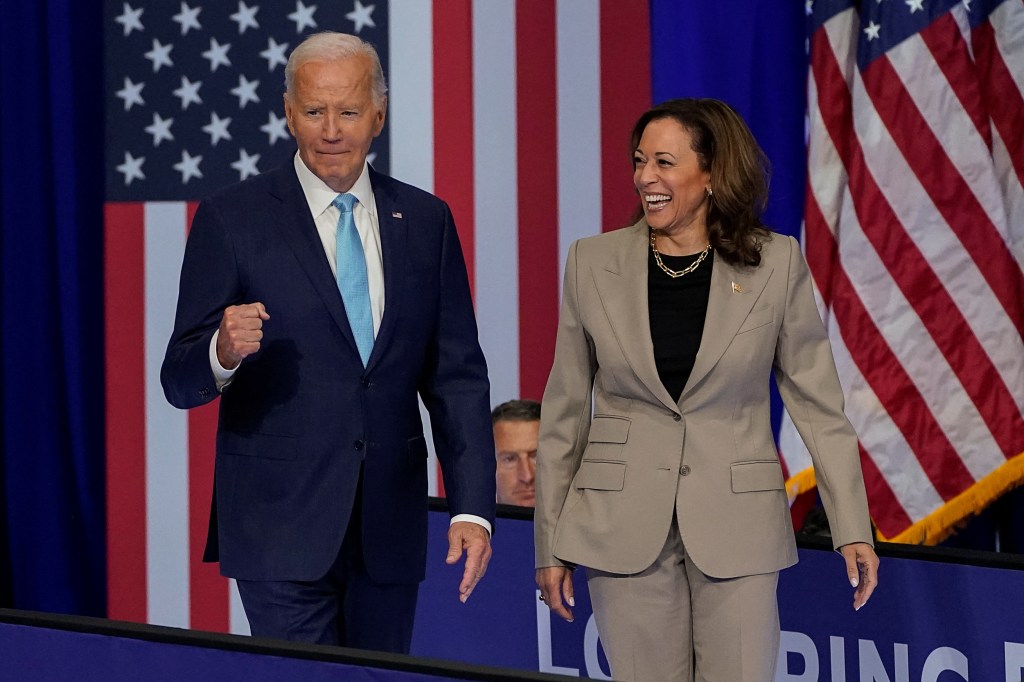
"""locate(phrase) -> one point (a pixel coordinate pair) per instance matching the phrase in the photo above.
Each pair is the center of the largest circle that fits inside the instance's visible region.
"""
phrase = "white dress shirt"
(320, 198)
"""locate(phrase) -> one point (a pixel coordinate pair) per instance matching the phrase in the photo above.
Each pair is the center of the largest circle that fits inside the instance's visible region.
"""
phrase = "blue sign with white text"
(927, 622)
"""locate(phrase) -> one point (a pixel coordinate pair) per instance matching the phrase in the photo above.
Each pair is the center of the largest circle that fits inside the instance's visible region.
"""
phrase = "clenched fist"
(241, 329)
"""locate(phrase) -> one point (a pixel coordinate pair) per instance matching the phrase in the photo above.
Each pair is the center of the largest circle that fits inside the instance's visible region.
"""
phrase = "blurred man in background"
(516, 424)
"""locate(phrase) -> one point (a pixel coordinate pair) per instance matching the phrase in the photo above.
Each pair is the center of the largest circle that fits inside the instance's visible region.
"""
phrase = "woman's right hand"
(555, 583)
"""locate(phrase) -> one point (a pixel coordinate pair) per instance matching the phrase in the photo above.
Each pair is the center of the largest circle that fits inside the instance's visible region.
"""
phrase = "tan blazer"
(608, 482)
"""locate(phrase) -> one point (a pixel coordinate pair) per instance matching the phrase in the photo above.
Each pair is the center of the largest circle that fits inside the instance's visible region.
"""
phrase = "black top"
(676, 308)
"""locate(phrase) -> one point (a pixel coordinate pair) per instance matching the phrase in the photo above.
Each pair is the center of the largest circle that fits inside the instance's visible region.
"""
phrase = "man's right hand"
(241, 329)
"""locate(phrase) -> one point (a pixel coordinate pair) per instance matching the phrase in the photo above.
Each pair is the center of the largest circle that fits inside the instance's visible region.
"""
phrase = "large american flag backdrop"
(914, 232)
(528, 104)
(529, 110)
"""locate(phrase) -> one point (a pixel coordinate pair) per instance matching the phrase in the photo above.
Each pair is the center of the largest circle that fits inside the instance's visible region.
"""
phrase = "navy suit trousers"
(344, 607)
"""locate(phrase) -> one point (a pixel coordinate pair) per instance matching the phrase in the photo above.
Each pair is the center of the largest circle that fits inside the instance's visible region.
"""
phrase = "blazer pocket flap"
(753, 476)
(609, 430)
(757, 319)
(266, 445)
(596, 475)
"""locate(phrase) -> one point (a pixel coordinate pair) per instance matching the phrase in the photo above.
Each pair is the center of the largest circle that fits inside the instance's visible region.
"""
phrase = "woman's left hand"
(862, 569)
(555, 583)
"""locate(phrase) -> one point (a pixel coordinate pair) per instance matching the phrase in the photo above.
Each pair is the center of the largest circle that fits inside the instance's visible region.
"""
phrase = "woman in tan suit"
(656, 466)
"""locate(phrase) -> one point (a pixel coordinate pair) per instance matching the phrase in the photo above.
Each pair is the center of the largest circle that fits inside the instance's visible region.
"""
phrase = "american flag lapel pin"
(737, 289)
(396, 214)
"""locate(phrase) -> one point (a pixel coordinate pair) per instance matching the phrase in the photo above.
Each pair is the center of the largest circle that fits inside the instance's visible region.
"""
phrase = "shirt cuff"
(220, 375)
(472, 518)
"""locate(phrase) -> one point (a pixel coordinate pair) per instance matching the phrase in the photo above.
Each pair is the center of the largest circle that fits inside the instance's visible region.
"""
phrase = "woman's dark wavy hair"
(739, 169)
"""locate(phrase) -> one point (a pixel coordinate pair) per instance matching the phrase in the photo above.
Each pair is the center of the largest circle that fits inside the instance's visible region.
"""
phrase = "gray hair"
(331, 46)
(516, 411)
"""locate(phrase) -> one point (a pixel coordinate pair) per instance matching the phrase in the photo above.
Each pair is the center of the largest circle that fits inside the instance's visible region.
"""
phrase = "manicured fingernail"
(854, 582)
(463, 598)
(572, 602)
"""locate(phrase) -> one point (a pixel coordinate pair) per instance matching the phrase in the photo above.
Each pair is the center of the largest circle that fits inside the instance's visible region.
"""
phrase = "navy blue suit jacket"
(302, 414)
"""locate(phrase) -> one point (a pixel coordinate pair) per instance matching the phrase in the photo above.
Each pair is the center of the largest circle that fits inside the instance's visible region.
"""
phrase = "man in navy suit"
(319, 300)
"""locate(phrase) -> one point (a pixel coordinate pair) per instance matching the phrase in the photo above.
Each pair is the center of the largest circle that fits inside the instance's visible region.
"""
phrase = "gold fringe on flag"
(945, 520)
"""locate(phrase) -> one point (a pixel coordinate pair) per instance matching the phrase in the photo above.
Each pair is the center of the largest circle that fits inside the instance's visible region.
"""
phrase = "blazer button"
(358, 445)
(677, 417)
(684, 470)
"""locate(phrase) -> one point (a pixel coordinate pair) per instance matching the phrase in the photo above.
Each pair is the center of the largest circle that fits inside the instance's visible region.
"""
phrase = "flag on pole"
(914, 233)
(516, 113)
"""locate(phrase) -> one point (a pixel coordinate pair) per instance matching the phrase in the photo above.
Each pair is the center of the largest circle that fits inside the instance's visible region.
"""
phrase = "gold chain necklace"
(678, 273)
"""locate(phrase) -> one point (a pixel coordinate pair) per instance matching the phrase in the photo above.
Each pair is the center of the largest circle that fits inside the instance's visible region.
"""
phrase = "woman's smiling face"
(668, 177)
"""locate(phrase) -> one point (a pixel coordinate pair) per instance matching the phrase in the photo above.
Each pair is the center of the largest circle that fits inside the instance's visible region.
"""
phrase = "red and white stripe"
(159, 459)
(914, 236)
(518, 115)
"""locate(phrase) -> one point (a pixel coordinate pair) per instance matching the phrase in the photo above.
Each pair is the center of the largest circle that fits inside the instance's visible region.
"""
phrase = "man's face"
(515, 445)
(332, 114)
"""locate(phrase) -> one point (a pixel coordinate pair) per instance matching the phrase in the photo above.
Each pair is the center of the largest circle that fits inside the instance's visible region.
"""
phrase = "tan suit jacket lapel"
(622, 288)
(733, 294)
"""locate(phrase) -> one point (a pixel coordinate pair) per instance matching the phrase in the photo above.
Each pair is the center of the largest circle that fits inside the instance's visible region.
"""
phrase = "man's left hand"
(475, 539)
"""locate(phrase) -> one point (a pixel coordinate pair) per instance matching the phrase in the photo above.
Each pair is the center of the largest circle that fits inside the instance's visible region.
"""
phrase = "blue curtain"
(51, 193)
(750, 54)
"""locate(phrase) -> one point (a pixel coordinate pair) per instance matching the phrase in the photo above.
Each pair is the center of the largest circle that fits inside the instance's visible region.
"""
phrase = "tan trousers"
(671, 622)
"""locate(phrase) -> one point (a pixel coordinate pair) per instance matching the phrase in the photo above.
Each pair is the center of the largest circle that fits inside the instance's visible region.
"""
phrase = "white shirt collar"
(319, 196)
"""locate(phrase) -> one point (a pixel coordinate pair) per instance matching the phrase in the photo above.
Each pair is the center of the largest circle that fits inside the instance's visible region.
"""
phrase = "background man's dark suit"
(302, 415)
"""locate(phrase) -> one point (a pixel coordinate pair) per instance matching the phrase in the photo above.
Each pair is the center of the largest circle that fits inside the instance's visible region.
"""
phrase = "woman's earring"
(708, 192)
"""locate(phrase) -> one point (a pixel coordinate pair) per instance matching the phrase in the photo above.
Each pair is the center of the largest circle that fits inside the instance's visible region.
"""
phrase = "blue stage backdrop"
(751, 54)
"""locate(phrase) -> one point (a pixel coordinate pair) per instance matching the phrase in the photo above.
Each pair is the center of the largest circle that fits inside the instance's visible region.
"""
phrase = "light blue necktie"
(352, 280)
